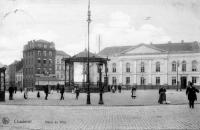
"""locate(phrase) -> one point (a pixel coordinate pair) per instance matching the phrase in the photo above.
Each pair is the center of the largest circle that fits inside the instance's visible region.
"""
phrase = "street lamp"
(100, 65)
(177, 75)
(88, 66)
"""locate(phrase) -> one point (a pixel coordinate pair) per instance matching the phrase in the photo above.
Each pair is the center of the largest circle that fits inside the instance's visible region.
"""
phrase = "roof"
(59, 52)
(43, 41)
(169, 47)
(109, 51)
(84, 54)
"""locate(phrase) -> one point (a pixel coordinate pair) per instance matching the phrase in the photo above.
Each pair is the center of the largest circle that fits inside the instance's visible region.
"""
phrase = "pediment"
(142, 49)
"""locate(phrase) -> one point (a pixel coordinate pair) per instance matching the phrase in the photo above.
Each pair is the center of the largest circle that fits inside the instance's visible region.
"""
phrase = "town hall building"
(154, 64)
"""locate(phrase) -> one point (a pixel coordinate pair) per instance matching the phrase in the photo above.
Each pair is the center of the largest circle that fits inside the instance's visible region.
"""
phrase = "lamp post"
(100, 84)
(177, 76)
(88, 66)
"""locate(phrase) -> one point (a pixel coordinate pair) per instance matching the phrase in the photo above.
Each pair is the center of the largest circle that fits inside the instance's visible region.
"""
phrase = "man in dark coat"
(46, 91)
(62, 90)
(77, 90)
(133, 92)
(162, 95)
(11, 91)
(119, 88)
(191, 93)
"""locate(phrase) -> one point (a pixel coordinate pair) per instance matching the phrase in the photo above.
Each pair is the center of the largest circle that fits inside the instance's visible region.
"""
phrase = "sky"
(116, 22)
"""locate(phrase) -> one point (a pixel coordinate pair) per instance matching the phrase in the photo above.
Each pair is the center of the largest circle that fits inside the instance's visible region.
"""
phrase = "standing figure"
(11, 91)
(113, 89)
(191, 93)
(162, 95)
(38, 94)
(21, 89)
(58, 87)
(25, 93)
(62, 90)
(119, 88)
(133, 92)
(46, 91)
(77, 90)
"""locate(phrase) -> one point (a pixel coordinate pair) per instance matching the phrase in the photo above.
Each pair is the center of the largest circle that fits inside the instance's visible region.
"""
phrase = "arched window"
(174, 66)
(127, 67)
(157, 66)
(114, 67)
(184, 66)
(194, 65)
(142, 67)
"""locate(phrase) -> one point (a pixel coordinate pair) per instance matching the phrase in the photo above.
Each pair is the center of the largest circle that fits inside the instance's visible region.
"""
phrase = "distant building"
(11, 71)
(60, 67)
(154, 64)
(39, 63)
(19, 78)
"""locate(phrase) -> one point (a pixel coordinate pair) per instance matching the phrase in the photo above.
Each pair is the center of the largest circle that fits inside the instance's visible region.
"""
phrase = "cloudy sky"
(117, 22)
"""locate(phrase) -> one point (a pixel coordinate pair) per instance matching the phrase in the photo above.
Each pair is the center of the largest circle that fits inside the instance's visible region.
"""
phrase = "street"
(99, 117)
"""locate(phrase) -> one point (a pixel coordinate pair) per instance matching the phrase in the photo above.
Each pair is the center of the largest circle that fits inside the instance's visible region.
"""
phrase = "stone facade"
(151, 64)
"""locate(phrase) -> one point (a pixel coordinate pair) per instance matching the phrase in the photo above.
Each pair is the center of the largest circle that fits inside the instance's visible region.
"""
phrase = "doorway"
(183, 82)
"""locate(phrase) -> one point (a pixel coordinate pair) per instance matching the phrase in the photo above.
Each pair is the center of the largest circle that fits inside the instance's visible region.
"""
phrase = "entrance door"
(183, 82)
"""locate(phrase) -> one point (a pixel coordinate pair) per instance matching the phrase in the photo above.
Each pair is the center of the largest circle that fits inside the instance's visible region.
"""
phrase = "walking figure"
(133, 91)
(38, 94)
(113, 89)
(191, 93)
(62, 90)
(25, 93)
(11, 91)
(119, 88)
(77, 90)
(162, 95)
(46, 91)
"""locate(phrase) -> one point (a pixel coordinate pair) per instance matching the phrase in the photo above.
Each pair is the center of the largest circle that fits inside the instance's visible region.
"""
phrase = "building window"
(50, 61)
(44, 53)
(194, 79)
(142, 81)
(39, 60)
(157, 66)
(58, 68)
(142, 67)
(44, 61)
(57, 61)
(50, 53)
(39, 53)
(127, 80)
(194, 65)
(174, 66)
(45, 46)
(184, 66)
(173, 81)
(38, 71)
(157, 80)
(127, 67)
(114, 80)
(114, 67)
(50, 70)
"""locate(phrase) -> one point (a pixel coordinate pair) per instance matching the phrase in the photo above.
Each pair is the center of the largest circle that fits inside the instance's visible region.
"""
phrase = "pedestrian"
(119, 88)
(58, 87)
(62, 90)
(108, 88)
(15, 88)
(46, 91)
(191, 93)
(162, 95)
(77, 91)
(38, 94)
(25, 93)
(133, 92)
(11, 91)
(21, 89)
(113, 89)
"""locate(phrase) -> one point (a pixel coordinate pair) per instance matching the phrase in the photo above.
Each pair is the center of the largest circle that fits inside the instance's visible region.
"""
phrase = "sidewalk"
(144, 97)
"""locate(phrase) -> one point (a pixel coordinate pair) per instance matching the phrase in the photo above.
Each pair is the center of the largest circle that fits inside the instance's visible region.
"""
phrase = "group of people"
(190, 92)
